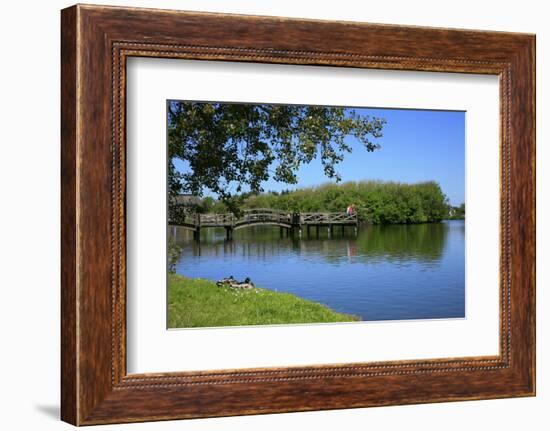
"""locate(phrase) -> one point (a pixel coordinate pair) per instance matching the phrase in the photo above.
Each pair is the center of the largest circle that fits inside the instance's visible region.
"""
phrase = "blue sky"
(417, 145)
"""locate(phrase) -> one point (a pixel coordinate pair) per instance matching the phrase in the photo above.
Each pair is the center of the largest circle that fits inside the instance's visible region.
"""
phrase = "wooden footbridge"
(288, 223)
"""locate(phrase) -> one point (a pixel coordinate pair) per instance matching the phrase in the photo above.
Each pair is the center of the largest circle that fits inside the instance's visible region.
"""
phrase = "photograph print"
(306, 214)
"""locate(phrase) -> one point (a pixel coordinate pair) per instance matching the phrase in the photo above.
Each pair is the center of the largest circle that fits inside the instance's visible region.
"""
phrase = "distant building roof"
(188, 200)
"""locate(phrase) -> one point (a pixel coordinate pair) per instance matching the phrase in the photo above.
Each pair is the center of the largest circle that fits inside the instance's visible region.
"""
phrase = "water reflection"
(383, 272)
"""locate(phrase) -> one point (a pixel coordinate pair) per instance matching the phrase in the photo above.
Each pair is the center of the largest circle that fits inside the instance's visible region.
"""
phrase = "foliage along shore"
(376, 202)
(195, 303)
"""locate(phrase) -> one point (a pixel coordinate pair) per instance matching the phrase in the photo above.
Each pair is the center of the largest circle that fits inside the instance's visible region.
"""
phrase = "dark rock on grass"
(234, 284)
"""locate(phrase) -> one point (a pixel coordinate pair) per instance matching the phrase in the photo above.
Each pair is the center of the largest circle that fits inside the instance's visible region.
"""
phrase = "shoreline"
(196, 302)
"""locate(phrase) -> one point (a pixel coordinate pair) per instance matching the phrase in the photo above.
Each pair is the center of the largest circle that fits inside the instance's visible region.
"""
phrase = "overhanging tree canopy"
(232, 148)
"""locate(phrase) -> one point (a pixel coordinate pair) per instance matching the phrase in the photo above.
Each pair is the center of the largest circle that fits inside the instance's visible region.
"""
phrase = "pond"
(390, 272)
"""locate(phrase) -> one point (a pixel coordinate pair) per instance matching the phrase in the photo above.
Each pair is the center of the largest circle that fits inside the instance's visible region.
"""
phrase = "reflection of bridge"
(287, 222)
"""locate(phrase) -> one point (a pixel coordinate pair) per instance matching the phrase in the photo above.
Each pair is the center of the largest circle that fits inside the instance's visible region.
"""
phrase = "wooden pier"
(289, 223)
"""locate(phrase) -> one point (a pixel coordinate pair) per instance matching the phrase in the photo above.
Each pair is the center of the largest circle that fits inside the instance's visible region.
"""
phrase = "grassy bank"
(196, 303)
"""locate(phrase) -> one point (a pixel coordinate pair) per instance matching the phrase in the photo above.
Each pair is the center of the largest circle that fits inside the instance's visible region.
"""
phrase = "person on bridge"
(350, 210)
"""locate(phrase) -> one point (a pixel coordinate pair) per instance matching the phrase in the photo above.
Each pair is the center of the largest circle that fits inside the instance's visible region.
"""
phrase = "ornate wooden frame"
(95, 43)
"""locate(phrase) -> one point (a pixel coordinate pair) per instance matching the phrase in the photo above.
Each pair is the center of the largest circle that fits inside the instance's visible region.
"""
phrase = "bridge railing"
(216, 220)
(183, 219)
(327, 218)
(258, 215)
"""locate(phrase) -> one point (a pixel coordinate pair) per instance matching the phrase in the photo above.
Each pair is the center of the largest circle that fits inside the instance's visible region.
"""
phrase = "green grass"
(195, 303)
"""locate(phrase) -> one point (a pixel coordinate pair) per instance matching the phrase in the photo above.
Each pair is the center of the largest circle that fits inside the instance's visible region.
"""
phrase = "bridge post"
(343, 226)
(197, 234)
(228, 233)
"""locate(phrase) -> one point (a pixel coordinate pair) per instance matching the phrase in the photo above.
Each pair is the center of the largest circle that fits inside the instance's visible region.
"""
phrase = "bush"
(376, 202)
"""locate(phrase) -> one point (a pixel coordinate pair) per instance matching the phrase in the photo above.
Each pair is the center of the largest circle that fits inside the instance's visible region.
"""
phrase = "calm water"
(383, 273)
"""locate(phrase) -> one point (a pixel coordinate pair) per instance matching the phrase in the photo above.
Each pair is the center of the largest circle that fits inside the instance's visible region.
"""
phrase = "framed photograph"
(266, 215)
